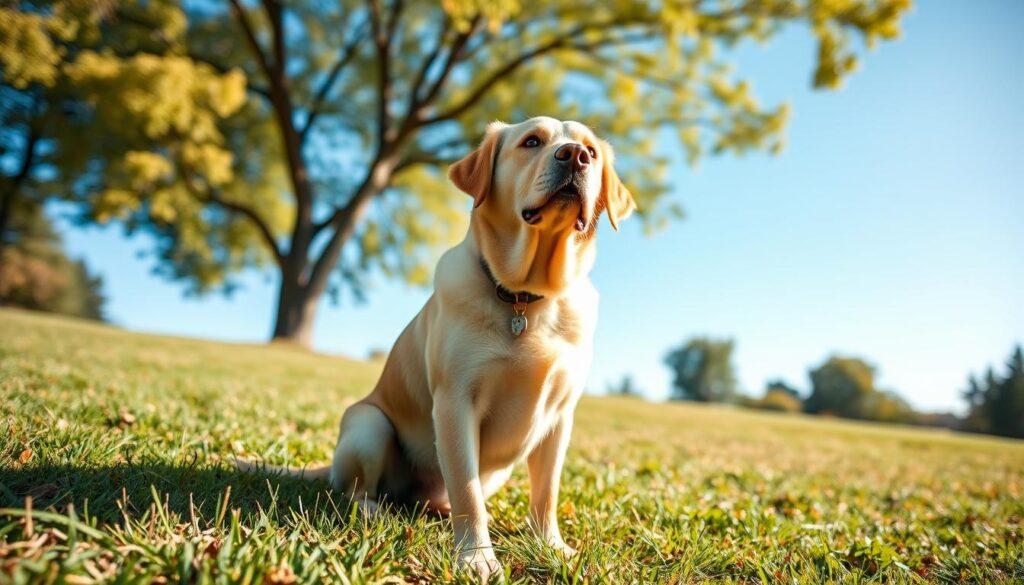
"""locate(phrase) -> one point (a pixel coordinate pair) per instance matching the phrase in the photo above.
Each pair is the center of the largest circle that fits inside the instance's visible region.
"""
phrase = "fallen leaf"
(126, 417)
(279, 576)
(25, 456)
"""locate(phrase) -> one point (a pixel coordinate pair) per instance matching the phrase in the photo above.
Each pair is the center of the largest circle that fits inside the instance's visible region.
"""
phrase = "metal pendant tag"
(518, 324)
(519, 321)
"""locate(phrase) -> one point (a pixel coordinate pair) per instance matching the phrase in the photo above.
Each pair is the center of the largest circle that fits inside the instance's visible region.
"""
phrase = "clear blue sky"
(892, 227)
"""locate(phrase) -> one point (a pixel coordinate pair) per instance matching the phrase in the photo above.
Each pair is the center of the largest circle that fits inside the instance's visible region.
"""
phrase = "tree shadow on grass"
(109, 492)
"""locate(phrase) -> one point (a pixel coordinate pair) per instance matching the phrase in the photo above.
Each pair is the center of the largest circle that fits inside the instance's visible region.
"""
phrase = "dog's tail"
(306, 473)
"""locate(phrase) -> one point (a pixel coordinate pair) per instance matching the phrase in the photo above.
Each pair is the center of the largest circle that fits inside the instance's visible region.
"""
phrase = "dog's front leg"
(458, 451)
(545, 465)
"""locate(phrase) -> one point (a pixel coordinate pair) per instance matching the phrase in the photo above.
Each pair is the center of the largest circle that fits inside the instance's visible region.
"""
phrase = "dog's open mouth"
(569, 194)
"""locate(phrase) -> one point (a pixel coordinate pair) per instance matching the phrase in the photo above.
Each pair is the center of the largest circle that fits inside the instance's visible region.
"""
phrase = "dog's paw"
(368, 509)
(563, 549)
(482, 562)
(560, 547)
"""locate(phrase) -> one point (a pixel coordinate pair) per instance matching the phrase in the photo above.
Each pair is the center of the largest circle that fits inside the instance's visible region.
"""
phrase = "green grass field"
(124, 443)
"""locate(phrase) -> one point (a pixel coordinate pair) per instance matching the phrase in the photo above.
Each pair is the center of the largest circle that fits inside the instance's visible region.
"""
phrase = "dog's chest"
(525, 393)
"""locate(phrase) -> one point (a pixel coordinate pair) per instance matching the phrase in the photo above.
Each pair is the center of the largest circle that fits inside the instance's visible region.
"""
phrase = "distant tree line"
(996, 402)
(845, 386)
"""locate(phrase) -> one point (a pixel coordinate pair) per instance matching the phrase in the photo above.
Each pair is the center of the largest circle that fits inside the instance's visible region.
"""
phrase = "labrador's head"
(548, 174)
(538, 190)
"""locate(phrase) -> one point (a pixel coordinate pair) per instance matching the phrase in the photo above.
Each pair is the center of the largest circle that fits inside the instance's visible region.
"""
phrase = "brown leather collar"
(503, 293)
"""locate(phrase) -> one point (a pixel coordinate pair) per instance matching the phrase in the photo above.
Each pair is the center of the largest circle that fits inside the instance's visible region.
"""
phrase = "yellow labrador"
(490, 370)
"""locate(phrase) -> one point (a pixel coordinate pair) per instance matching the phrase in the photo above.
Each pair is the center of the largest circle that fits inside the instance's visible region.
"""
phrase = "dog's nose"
(573, 154)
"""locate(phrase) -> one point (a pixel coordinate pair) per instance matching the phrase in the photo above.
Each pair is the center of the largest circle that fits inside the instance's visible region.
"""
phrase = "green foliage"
(780, 385)
(702, 370)
(845, 386)
(138, 432)
(34, 106)
(315, 135)
(100, 113)
(778, 399)
(996, 404)
(36, 274)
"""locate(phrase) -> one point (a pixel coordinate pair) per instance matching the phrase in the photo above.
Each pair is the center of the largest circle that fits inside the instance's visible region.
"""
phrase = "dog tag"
(518, 324)
(519, 321)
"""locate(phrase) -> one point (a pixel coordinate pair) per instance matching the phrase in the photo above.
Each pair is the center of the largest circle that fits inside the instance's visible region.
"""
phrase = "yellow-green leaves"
(223, 130)
(146, 168)
(159, 96)
(493, 12)
(27, 51)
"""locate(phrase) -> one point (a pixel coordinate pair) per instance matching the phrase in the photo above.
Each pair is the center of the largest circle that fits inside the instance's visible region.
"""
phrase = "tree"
(331, 165)
(35, 273)
(845, 386)
(778, 396)
(702, 370)
(31, 99)
(996, 405)
(778, 399)
(977, 395)
(842, 386)
(625, 387)
(84, 100)
(1007, 409)
(780, 385)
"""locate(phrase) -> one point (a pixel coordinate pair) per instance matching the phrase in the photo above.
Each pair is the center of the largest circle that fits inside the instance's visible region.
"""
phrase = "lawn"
(124, 444)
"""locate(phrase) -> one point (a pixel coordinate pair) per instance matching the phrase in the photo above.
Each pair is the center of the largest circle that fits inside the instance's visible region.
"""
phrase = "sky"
(891, 228)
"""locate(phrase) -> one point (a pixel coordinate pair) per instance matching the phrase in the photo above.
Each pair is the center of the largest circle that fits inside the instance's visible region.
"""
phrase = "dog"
(489, 372)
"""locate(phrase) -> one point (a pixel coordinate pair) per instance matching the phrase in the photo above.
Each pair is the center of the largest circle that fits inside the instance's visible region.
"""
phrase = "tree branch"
(348, 53)
(345, 219)
(454, 56)
(428, 62)
(382, 40)
(274, 14)
(250, 36)
(210, 197)
(559, 42)
(432, 156)
(284, 111)
(424, 158)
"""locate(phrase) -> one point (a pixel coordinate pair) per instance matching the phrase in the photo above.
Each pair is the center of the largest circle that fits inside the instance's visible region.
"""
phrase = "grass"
(123, 443)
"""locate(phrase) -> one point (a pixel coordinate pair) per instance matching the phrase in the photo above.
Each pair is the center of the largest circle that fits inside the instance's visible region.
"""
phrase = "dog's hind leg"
(366, 452)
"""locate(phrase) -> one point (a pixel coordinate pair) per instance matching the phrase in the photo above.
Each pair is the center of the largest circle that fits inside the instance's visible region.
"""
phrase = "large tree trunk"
(302, 285)
(6, 203)
(296, 314)
(12, 186)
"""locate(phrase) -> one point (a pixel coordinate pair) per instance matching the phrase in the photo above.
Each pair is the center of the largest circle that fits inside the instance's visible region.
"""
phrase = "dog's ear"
(615, 197)
(474, 172)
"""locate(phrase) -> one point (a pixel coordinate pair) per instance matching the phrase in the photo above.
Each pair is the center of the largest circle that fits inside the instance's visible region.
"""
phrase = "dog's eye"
(593, 153)
(531, 142)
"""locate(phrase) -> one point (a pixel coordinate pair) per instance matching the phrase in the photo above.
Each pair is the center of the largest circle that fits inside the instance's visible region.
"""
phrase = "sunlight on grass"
(124, 441)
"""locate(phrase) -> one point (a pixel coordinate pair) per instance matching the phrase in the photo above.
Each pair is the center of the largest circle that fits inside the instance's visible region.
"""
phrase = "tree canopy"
(996, 402)
(311, 138)
(845, 386)
(702, 370)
